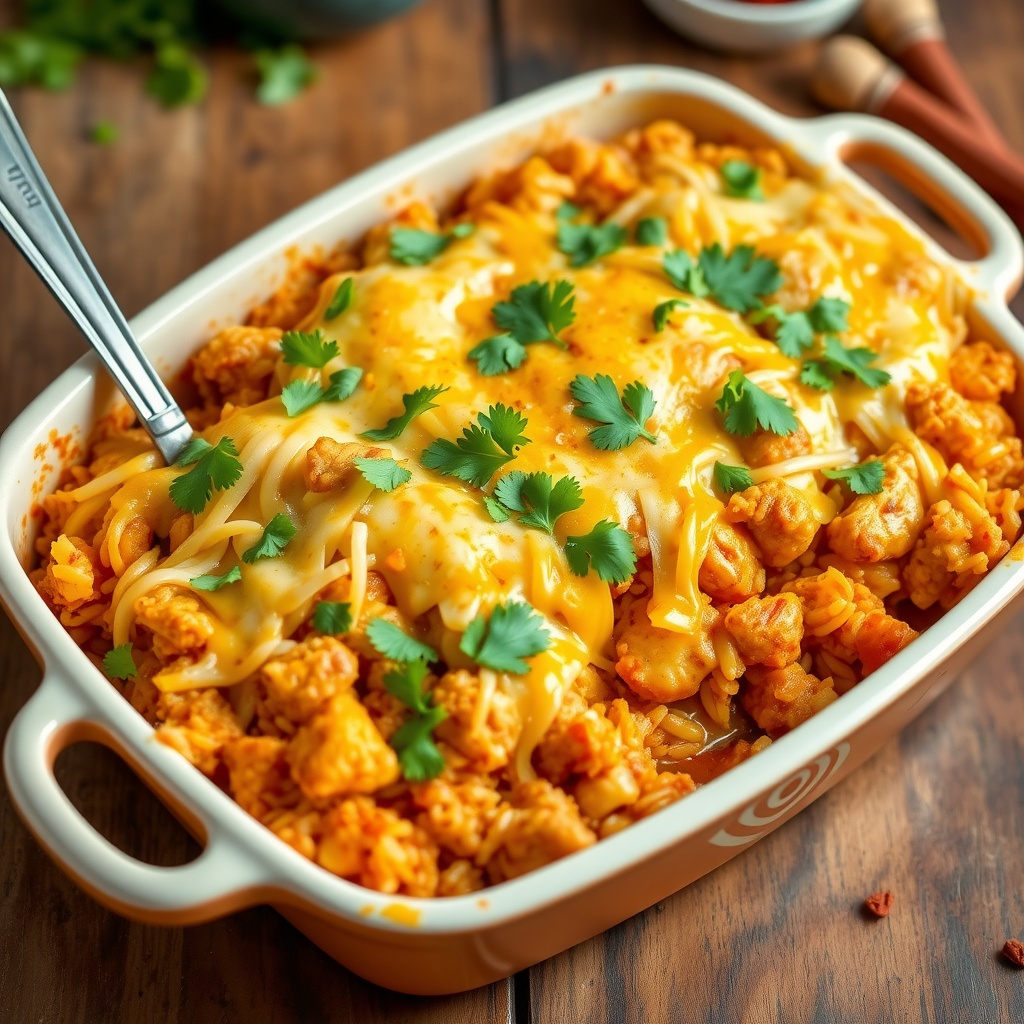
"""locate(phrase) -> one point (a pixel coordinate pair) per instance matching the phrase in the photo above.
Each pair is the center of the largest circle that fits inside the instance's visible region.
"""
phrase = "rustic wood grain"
(776, 935)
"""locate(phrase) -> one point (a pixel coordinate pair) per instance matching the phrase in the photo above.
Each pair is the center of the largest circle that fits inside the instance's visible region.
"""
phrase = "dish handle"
(967, 208)
(221, 880)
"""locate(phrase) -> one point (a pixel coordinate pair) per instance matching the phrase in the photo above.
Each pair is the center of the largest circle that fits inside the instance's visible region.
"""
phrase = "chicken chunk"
(778, 516)
(180, 625)
(979, 372)
(73, 575)
(197, 723)
(767, 630)
(236, 365)
(779, 699)
(331, 464)
(731, 570)
(258, 774)
(765, 448)
(487, 742)
(457, 814)
(300, 681)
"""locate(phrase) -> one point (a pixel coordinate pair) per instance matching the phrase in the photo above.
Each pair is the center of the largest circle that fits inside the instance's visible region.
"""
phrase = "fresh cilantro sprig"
(537, 499)
(794, 332)
(746, 407)
(513, 631)
(415, 248)
(732, 478)
(274, 539)
(396, 644)
(651, 231)
(742, 180)
(299, 348)
(836, 360)
(416, 403)
(663, 311)
(332, 618)
(587, 243)
(213, 582)
(341, 301)
(285, 72)
(119, 663)
(829, 315)
(607, 550)
(567, 211)
(483, 448)
(623, 418)
(300, 395)
(864, 478)
(384, 473)
(684, 273)
(214, 467)
(413, 741)
(736, 281)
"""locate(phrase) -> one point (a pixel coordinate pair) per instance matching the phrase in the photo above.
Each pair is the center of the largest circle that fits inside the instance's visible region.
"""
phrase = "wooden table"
(776, 935)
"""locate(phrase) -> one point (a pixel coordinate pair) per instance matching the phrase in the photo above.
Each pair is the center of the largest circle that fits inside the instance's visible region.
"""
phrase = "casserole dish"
(447, 945)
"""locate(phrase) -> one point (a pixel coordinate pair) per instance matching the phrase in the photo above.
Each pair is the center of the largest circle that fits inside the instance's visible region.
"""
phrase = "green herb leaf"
(28, 57)
(652, 231)
(686, 275)
(332, 618)
(413, 741)
(213, 467)
(829, 316)
(742, 180)
(537, 312)
(855, 361)
(177, 78)
(384, 473)
(463, 230)
(607, 550)
(342, 299)
(397, 645)
(273, 541)
(537, 498)
(506, 426)
(416, 403)
(738, 281)
(301, 349)
(793, 331)
(747, 407)
(624, 417)
(587, 243)
(663, 310)
(567, 211)
(498, 354)
(495, 509)
(284, 73)
(300, 395)
(815, 373)
(343, 384)
(732, 478)
(865, 478)
(514, 631)
(211, 582)
(104, 133)
(119, 663)
(483, 448)
(416, 248)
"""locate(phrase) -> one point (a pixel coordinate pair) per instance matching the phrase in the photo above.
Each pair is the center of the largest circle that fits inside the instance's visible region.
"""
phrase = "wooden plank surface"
(776, 935)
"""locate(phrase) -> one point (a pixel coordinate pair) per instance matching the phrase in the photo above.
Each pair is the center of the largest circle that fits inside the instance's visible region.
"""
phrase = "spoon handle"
(39, 227)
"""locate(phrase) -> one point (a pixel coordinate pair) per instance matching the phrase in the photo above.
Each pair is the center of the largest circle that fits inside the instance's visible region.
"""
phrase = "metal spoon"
(39, 227)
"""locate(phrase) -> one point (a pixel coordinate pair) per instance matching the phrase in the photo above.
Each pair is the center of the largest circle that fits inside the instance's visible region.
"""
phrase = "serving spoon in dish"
(37, 224)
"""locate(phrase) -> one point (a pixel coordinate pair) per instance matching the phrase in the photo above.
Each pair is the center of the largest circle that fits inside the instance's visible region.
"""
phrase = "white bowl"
(446, 945)
(738, 27)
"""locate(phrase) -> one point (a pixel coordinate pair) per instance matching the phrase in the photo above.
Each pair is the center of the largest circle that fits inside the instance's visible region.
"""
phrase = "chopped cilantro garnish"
(742, 180)
(537, 499)
(732, 478)
(793, 331)
(273, 540)
(119, 663)
(416, 403)
(284, 73)
(301, 349)
(829, 316)
(623, 418)
(396, 644)
(415, 248)
(300, 395)
(484, 447)
(333, 618)
(855, 361)
(816, 373)
(384, 473)
(607, 550)
(663, 311)
(652, 231)
(686, 275)
(177, 77)
(498, 354)
(514, 631)
(214, 467)
(495, 509)
(342, 299)
(738, 281)
(747, 407)
(413, 741)
(865, 478)
(586, 243)
(30, 57)
(211, 582)
(567, 211)
(104, 132)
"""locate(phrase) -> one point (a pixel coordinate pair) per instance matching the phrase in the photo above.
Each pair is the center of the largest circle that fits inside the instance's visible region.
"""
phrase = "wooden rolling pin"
(852, 75)
(911, 32)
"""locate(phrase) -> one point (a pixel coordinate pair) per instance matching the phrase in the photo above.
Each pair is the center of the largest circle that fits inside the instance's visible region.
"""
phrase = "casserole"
(455, 944)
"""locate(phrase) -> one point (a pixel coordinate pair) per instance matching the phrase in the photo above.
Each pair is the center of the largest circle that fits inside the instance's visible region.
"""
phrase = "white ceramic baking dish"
(446, 945)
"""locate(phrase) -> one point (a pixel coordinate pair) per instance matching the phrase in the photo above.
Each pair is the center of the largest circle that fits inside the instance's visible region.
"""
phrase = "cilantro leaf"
(413, 741)
(284, 73)
(742, 180)
(747, 407)
(732, 478)
(343, 383)
(624, 417)
(498, 354)
(384, 473)
(537, 498)
(482, 449)
(29, 57)
(396, 644)
(537, 312)
(213, 467)
(495, 509)
(686, 275)
(211, 582)
(651, 231)
(300, 395)
(738, 281)
(855, 361)
(301, 349)
(177, 77)
(463, 230)
(416, 248)
(663, 310)
(865, 478)
(816, 373)
(416, 403)
(514, 631)
(332, 618)
(607, 549)
(273, 540)
(793, 331)
(506, 426)
(342, 299)
(119, 663)
(104, 132)
(567, 211)
(829, 316)
(586, 243)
